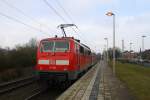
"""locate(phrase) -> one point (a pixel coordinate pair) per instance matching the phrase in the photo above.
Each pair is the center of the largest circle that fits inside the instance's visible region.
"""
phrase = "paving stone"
(97, 84)
(107, 97)
(77, 90)
(100, 97)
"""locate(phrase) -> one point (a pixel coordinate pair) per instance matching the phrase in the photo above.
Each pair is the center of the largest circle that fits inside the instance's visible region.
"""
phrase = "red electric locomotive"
(62, 58)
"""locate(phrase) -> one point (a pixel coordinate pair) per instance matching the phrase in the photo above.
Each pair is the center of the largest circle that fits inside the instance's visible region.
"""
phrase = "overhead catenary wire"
(24, 14)
(67, 14)
(18, 21)
(32, 27)
(60, 16)
(71, 19)
(55, 11)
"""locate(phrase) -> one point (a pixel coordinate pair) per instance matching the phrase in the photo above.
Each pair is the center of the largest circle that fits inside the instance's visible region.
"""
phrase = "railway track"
(50, 92)
(37, 91)
(30, 88)
(13, 85)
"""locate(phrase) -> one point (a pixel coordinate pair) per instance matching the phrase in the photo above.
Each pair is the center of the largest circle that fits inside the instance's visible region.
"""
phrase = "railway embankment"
(12, 74)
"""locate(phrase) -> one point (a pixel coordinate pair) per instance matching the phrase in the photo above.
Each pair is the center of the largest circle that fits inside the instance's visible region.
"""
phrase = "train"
(63, 58)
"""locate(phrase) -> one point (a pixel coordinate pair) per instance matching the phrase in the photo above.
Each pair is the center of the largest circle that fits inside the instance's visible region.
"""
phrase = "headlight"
(44, 62)
(62, 62)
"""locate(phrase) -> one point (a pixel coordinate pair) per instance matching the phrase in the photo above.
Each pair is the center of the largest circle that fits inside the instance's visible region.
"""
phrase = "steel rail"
(11, 86)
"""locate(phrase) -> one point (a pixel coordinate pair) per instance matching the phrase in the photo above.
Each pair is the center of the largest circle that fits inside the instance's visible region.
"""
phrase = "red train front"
(62, 58)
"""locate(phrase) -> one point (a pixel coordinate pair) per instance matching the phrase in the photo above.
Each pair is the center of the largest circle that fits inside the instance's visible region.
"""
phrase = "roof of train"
(61, 38)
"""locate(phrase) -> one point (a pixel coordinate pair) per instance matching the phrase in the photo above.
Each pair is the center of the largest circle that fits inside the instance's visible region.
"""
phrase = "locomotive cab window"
(54, 46)
(61, 46)
(47, 46)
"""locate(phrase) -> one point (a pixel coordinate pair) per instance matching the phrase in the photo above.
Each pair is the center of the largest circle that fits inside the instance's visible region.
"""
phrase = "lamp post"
(104, 53)
(143, 42)
(106, 47)
(130, 46)
(122, 48)
(143, 36)
(114, 58)
(130, 49)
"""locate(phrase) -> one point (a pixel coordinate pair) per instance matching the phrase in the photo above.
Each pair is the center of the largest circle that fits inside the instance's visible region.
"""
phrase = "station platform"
(97, 84)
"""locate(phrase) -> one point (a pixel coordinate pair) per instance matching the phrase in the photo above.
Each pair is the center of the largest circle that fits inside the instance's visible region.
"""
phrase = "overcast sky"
(132, 21)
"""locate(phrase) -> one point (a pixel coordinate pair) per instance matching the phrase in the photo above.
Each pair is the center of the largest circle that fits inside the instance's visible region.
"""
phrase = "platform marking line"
(89, 88)
(71, 93)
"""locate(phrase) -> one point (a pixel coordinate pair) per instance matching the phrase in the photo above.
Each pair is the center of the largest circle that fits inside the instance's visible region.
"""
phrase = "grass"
(136, 78)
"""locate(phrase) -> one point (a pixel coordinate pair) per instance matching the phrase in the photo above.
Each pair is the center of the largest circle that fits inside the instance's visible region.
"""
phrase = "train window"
(81, 49)
(89, 52)
(61, 46)
(47, 46)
